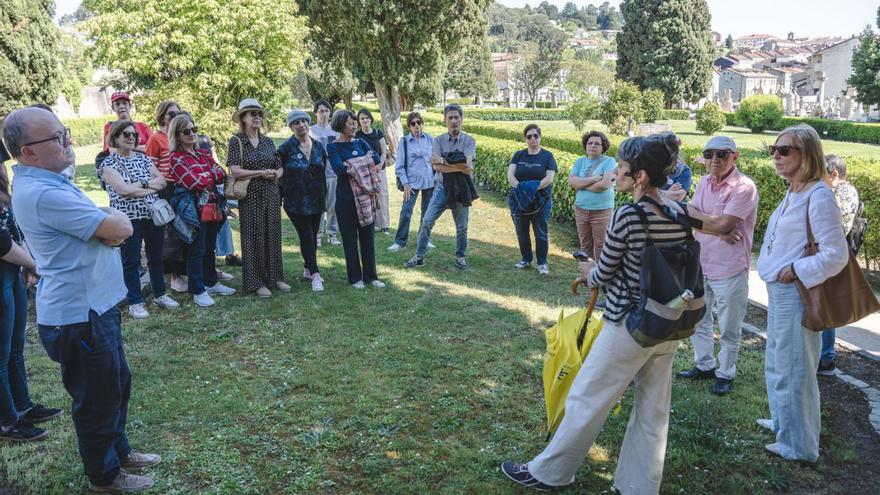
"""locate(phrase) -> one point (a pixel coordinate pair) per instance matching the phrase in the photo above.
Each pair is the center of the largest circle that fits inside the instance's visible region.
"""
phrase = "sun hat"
(295, 115)
(244, 106)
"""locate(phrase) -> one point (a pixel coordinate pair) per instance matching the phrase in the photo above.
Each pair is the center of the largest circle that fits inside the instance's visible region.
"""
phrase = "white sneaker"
(204, 299)
(178, 284)
(333, 240)
(226, 277)
(138, 311)
(166, 302)
(358, 285)
(220, 290)
(282, 286)
(395, 247)
(522, 265)
(431, 245)
(307, 275)
(377, 284)
(318, 244)
(765, 423)
(317, 283)
(543, 269)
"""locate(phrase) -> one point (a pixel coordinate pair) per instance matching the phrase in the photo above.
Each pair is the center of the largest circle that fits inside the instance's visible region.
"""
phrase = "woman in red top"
(157, 145)
(194, 169)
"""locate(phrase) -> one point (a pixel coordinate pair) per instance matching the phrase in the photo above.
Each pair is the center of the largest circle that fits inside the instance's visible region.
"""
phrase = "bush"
(677, 114)
(760, 112)
(513, 114)
(652, 105)
(710, 119)
(585, 108)
(623, 103)
(838, 130)
(89, 130)
(540, 104)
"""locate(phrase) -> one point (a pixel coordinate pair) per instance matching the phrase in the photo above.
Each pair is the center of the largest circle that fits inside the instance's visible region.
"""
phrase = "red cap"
(119, 95)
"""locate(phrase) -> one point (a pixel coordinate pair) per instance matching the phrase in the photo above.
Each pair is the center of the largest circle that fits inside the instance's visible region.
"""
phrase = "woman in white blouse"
(792, 350)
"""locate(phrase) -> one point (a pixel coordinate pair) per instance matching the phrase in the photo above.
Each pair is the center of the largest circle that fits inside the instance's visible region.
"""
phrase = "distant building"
(785, 75)
(742, 83)
(509, 95)
(829, 69)
(755, 41)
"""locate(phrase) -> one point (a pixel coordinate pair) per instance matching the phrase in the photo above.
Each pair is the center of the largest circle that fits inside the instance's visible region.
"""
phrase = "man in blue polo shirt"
(81, 285)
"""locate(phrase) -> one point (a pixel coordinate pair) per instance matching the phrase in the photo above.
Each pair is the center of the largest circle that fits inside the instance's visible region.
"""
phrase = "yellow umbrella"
(568, 343)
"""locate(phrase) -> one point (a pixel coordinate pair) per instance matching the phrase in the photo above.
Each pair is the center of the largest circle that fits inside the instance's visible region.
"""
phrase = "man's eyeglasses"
(128, 135)
(782, 150)
(533, 136)
(191, 131)
(415, 123)
(63, 138)
(721, 154)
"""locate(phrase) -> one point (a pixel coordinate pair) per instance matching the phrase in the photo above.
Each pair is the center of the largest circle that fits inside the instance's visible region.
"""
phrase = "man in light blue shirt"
(81, 284)
(415, 173)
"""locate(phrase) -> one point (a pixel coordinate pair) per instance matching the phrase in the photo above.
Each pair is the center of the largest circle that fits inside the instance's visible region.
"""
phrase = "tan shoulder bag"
(235, 188)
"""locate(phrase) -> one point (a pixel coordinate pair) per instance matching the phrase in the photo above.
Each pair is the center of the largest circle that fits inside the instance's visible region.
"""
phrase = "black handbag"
(405, 166)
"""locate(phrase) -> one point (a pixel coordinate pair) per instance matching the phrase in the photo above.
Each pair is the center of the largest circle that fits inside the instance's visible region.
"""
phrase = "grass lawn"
(422, 387)
(686, 130)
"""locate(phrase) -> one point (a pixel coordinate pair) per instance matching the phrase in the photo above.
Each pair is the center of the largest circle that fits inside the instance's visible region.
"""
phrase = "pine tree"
(667, 45)
(728, 43)
(29, 62)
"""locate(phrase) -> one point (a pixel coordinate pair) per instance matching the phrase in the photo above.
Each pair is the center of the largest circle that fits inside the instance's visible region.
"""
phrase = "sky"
(739, 17)
(777, 17)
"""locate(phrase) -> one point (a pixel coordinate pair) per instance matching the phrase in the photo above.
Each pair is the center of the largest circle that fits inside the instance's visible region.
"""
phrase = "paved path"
(863, 335)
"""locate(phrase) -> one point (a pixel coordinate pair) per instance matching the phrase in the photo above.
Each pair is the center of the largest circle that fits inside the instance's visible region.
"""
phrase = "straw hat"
(246, 105)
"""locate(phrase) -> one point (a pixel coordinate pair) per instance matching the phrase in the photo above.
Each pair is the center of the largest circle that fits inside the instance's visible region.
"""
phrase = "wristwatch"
(145, 184)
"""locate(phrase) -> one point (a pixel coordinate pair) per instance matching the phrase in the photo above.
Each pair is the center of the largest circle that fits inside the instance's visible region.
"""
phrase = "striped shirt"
(620, 261)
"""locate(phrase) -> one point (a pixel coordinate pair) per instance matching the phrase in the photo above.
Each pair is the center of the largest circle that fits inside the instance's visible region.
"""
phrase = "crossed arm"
(440, 165)
(594, 183)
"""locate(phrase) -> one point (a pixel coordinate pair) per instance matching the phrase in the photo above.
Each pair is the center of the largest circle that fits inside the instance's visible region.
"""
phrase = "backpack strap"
(644, 219)
(679, 218)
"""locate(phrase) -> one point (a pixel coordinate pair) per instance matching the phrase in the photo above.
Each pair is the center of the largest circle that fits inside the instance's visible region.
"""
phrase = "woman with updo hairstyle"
(616, 359)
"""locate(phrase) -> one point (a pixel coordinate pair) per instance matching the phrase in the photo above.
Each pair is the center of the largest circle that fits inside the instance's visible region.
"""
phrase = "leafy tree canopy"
(29, 66)
(866, 67)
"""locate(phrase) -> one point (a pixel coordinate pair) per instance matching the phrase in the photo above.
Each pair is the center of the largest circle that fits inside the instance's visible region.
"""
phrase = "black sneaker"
(519, 474)
(233, 260)
(414, 262)
(722, 386)
(697, 374)
(461, 263)
(826, 368)
(39, 414)
(23, 432)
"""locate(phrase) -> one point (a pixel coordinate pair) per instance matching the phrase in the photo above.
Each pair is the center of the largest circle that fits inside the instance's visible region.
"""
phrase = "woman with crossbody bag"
(133, 183)
(415, 176)
(591, 178)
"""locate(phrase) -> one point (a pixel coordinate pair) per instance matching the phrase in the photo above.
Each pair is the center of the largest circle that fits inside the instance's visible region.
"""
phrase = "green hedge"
(676, 114)
(86, 131)
(515, 114)
(838, 130)
(540, 104)
(495, 147)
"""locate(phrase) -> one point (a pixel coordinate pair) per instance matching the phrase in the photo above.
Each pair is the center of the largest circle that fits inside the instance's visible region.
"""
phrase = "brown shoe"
(124, 483)
(136, 460)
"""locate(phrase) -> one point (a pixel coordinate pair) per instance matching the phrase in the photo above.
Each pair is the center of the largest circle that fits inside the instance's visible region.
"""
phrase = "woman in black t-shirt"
(530, 174)
(376, 140)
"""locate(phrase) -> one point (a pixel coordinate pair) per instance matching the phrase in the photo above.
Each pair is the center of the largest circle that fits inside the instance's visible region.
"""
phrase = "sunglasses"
(533, 136)
(171, 115)
(127, 135)
(782, 150)
(190, 131)
(62, 137)
(721, 154)
(415, 122)
(256, 113)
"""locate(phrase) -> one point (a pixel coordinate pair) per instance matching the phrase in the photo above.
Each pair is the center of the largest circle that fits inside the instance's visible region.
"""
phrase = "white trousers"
(729, 298)
(328, 218)
(614, 361)
(383, 216)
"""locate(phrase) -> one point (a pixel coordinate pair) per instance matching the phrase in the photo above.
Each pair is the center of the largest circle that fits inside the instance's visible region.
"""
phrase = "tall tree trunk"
(348, 99)
(389, 107)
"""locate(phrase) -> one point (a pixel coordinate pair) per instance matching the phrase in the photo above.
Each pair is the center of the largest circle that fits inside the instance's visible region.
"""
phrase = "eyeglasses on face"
(128, 135)
(721, 154)
(63, 138)
(415, 123)
(170, 115)
(533, 136)
(783, 150)
(255, 114)
(190, 131)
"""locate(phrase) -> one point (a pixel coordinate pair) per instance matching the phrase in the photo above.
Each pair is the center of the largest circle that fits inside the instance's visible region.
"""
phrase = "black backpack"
(856, 236)
(667, 274)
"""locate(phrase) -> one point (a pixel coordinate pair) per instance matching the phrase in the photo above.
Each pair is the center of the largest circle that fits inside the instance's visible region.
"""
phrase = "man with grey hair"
(847, 198)
(79, 325)
(730, 198)
(453, 160)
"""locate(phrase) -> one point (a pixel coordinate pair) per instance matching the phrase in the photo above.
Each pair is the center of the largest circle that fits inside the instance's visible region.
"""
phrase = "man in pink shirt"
(731, 200)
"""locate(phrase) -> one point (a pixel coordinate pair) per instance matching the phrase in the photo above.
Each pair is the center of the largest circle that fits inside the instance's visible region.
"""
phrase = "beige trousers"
(614, 361)
(592, 226)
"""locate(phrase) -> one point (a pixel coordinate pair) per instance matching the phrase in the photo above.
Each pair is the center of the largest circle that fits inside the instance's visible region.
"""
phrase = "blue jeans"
(406, 211)
(201, 262)
(225, 244)
(828, 354)
(153, 238)
(436, 208)
(790, 370)
(538, 223)
(14, 397)
(96, 375)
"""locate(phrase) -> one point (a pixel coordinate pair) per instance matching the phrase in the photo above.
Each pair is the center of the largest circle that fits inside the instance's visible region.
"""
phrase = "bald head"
(36, 137)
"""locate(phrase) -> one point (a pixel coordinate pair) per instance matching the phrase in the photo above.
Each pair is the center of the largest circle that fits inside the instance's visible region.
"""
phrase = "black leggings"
(307, 229)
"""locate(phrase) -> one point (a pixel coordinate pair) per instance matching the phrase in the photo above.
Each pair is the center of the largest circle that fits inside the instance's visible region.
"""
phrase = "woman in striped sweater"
(616, 360)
